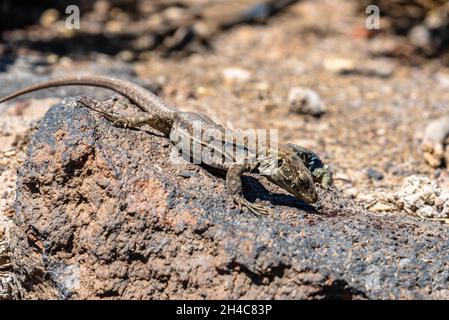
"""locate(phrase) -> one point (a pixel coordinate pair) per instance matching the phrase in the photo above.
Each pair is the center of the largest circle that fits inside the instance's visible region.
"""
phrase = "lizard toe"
(254, 208)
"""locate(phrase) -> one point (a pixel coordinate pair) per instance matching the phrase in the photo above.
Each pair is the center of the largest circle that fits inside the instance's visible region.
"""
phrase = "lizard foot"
(116, 120)
(324, 177)
(256, 209)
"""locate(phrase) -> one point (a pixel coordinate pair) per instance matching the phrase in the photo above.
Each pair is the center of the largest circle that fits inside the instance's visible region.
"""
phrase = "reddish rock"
(101, 212)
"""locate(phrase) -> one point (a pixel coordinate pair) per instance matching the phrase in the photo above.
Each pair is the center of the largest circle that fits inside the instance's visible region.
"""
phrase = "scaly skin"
(293, 168)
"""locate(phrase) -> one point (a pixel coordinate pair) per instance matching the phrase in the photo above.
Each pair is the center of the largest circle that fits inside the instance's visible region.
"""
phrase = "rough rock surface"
(101, 212)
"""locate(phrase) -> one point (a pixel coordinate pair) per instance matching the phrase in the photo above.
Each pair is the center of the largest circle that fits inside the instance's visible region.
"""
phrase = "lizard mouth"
(304, 191)
(308, 195)
(309, 198)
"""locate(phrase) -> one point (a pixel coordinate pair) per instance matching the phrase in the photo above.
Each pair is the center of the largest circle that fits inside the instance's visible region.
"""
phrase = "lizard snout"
(305, 190)
(311, 196)
(294, 177)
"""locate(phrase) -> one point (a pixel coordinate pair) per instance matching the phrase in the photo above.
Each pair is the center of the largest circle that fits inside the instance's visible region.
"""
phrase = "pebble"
(426, 212)
(235, 74)
(435, 151)
(342, 177)
(261, 86)
(126, 55)
(175, 13)
(187, 174)
(375, 68)
(145, 42)
(374, 174)
(114, 26)
(52, 58)
(305, 101)
(443, 79)
(338, 65)
(49, 17)
(351, 192)
(382, 207)
(420, 37)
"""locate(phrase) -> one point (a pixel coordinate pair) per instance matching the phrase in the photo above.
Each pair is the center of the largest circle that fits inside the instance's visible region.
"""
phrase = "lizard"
(293, 168)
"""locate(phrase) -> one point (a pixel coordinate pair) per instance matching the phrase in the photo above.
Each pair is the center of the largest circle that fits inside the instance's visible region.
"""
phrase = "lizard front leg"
(234, 186)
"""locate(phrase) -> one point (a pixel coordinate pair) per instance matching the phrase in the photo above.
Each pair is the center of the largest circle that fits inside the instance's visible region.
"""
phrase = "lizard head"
(289, 173)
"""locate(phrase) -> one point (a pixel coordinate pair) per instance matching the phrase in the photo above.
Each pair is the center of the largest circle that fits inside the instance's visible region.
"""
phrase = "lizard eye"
(280, 162)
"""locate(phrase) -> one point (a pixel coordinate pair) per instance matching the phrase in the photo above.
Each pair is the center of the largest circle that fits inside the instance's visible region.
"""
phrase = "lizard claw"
(254, 208)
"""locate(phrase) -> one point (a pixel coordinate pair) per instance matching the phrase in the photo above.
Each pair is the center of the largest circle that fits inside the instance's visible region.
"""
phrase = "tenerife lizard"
(293, 168)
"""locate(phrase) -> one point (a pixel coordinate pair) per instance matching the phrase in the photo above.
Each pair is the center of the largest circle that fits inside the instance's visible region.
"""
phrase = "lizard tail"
(143, 98)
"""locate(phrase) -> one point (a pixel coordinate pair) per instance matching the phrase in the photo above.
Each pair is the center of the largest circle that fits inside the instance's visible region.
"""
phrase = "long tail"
(143, 99)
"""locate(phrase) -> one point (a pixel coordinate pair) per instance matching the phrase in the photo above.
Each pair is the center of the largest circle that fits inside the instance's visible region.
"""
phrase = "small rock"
(145, 42)
(305, 101)
(351, 192)
(261, 86)
(365, 197)
(342, 176)
(53, 58)
(187, 174)
(174, 13)
(374, 174)
(435, 151)
(381, 69)
(427, 212)
(443, 79)
(126, 55)
(445, 210)
(338, 65)
(382, 207)
(420, 37)
(114, 26)
(377, 68)
(433, 154)
(235, 74)
(49, 17)
(437, 19)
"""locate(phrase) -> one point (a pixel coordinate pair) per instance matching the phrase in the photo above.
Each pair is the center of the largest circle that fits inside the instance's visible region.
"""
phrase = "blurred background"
(359, 97)
(132, 28)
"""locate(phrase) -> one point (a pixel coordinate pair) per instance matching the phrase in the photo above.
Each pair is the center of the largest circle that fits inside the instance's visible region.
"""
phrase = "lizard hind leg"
(138, 119)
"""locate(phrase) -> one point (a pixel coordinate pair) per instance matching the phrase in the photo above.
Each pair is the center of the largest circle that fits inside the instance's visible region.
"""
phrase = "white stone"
(421, 196)
(235, 74)
(305, 101)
